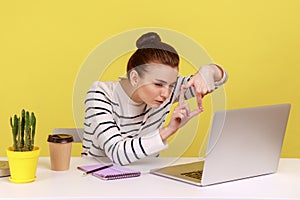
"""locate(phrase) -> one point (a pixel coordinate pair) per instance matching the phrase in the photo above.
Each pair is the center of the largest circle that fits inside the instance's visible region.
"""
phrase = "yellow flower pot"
(22, 165)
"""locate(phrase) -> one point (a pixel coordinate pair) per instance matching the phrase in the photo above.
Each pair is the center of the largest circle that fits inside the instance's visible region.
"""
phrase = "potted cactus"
(23, 131)
(23, 155)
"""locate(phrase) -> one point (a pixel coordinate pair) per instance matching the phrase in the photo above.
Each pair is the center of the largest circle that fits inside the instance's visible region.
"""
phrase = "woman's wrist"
(166, 132)
(217, 72)
(223, 76)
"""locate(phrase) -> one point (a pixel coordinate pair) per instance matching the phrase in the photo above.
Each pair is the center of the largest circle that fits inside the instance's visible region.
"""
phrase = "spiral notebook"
(110, 173)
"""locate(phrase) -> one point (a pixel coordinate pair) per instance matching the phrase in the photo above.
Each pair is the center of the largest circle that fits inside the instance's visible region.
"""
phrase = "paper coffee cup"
(60, 146)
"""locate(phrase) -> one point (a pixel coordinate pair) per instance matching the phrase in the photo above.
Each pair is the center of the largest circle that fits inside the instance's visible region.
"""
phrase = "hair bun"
(146, 39)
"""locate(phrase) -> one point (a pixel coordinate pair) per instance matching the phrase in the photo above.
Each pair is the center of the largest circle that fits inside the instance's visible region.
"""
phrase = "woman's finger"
(199, 102)
(181, 96)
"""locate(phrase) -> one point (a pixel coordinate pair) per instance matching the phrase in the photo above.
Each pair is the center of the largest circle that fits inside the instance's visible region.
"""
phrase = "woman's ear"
(134, 78)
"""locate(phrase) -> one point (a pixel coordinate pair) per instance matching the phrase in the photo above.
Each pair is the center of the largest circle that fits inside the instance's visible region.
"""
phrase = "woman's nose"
(165, 92)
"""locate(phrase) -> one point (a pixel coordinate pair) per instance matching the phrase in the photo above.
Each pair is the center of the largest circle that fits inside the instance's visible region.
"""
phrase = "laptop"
(242, 143)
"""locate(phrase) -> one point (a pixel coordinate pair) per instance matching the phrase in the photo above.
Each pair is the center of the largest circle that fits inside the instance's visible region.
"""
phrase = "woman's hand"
(203, 81)
(180, 116)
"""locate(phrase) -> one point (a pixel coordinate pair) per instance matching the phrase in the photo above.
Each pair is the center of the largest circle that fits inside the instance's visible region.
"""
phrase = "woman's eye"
(158, 84)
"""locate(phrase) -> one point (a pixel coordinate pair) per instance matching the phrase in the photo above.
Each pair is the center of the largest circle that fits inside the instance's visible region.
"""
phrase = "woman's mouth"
(159, 102)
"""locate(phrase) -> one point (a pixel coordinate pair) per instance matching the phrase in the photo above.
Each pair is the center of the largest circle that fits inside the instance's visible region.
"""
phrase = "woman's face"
(155, 86)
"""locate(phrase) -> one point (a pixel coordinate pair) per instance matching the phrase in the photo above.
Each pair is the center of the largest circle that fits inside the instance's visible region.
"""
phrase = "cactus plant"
(23, 131)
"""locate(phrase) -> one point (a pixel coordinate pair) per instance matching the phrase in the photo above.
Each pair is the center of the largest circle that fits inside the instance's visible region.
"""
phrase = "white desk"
(71, 185)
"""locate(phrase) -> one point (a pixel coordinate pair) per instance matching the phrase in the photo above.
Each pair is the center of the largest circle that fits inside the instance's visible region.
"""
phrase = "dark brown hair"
(152, 50)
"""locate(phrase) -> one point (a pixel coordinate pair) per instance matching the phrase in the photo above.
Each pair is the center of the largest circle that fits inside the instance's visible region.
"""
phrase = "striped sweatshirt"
(121, 129)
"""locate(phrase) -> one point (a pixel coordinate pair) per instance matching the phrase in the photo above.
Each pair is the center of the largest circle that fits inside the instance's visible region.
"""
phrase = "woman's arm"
(103, 137)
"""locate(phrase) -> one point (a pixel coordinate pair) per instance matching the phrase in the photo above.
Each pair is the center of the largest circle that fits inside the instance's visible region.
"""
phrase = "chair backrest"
(77, 133)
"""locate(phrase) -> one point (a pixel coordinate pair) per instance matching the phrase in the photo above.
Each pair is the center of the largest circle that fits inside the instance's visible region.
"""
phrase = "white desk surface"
(72, 185)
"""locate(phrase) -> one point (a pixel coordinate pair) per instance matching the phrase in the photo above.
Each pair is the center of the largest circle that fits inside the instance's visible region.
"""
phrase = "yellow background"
(44, 43)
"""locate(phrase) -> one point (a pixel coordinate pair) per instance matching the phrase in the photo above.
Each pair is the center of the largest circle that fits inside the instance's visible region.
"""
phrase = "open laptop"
(243, 143)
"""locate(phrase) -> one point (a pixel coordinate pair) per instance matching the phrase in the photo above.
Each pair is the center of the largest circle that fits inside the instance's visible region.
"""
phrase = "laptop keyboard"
(194, 174)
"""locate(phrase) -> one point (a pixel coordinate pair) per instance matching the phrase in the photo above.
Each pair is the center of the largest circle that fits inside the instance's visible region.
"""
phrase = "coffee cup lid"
(60, 138)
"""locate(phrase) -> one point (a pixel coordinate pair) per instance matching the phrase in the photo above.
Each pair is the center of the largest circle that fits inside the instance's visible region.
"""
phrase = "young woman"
(124, 120)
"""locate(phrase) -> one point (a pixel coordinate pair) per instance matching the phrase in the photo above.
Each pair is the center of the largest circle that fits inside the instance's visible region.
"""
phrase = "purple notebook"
(110, 173)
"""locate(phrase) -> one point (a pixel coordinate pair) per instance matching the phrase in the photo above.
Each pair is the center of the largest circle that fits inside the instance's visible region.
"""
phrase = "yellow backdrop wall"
(44, 43)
